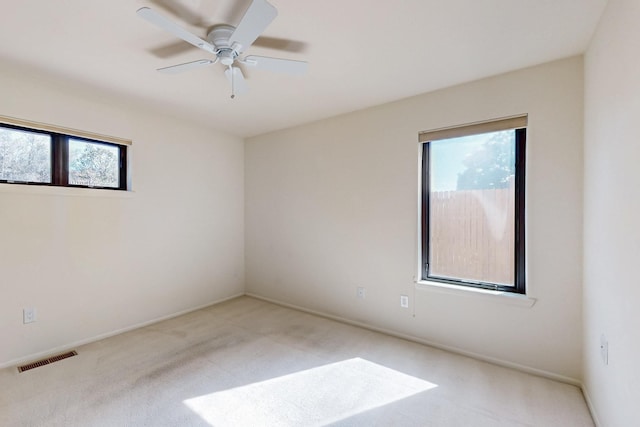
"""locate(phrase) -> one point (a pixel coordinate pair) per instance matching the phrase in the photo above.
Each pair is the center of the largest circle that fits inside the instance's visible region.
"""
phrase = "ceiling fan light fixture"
(226, 60)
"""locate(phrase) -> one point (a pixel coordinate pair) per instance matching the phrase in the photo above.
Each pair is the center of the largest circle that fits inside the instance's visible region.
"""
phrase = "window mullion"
(60, 159)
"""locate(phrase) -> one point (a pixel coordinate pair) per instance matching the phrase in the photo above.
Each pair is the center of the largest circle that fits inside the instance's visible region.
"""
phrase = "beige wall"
(328, 207)
(94, 262)
(333, 205)
(612, 209)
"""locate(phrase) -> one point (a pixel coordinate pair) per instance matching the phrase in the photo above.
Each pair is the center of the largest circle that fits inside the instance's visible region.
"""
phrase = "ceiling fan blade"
(168, 25)
(170, 49)
(278, 65)
(186, 66)
(183, 12)
(238, 83)
(255, 20)
(276, 43)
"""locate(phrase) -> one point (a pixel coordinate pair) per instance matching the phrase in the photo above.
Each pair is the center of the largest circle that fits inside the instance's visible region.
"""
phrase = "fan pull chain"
(233, 83)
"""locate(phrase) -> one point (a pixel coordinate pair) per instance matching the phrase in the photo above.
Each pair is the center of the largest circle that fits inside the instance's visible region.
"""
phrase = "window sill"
(50, 190)
(497, 296)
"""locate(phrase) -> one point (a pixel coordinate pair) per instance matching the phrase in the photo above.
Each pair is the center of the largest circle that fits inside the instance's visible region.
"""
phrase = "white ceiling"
(361, 52)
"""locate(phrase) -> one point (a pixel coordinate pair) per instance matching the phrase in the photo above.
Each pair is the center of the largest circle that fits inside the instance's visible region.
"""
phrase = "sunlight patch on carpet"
(315, 396)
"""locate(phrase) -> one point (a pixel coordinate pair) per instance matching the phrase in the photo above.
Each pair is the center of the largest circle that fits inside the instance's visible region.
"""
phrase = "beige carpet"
(247, 362)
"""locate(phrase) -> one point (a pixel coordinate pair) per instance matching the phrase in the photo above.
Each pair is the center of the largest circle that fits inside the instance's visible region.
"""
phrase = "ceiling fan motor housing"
(219, 37)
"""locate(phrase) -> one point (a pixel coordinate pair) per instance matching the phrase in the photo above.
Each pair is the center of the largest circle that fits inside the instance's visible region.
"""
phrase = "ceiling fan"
(228, 43)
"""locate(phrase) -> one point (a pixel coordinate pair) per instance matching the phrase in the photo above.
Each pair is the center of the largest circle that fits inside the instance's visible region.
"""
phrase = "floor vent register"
(46, 361)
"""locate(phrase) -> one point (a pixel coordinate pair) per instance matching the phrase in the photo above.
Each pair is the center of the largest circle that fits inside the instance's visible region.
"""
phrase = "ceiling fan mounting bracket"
(219, 35)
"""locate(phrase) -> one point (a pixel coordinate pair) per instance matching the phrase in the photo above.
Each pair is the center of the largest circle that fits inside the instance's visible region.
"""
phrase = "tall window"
(473, 205)
(43, 157)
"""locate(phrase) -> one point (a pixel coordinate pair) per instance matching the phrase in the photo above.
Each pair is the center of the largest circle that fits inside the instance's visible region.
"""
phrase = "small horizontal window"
(31, 156)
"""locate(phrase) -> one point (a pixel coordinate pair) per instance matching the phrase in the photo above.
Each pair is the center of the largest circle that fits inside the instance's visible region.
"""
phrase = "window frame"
(519, 265)
(60, 159)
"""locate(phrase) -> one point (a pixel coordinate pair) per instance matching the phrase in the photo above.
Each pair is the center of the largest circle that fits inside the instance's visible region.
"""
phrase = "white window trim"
(53, 190)
(509, 298)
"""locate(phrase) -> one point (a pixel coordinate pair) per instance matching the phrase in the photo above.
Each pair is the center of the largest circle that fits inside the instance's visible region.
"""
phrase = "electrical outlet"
(29, 315)
(404, 301)
(360, 292)
(604, 349)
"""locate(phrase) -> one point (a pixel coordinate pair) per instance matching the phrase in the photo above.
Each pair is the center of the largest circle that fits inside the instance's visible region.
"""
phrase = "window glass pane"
(471, 208)
(25, 156)
(93, 164)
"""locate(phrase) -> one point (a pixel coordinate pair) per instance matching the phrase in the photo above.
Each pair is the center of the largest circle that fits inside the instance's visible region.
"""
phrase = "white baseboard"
(477, 356)
(499, 362)
(592, 409)
(67, 347)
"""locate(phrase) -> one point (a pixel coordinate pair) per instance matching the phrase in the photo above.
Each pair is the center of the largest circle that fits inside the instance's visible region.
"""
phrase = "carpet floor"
(247, 362)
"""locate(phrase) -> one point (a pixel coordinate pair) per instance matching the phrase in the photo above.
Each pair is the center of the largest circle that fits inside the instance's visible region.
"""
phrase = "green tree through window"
(490, 166)
(25, 156)
(93, 165)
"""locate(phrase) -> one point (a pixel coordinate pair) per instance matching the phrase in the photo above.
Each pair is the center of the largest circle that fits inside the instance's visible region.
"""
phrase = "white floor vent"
(47, 361)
